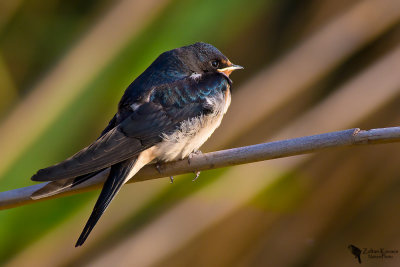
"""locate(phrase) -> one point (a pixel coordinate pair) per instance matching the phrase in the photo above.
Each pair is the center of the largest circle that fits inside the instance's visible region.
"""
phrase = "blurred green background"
(310, 67)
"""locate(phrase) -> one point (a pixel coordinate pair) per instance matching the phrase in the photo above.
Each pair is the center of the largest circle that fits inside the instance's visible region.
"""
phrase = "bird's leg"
(196, 152)
(158, 167)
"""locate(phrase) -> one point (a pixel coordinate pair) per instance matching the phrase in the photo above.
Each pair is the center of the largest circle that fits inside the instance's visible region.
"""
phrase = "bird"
(165, 114)
(356, 252)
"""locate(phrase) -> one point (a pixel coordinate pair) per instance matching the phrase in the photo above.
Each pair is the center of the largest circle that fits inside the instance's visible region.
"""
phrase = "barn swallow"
(165, 114)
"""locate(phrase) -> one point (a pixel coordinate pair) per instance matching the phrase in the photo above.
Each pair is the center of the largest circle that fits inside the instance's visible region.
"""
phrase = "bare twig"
(224, 158)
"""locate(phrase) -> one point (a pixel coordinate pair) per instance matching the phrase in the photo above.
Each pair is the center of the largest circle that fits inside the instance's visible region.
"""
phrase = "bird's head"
(204, 58)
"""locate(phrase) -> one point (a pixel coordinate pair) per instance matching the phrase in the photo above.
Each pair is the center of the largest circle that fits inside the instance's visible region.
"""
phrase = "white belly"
(194, 132)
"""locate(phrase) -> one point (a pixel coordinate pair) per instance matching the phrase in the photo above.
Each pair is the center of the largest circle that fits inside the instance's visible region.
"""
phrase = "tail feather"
(113, 184)
(56, 187)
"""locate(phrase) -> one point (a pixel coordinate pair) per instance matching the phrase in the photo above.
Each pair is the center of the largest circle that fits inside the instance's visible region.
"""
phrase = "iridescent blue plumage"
(185, 91)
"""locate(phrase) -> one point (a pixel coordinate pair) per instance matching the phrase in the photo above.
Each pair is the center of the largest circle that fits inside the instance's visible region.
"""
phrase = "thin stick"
(223, 158)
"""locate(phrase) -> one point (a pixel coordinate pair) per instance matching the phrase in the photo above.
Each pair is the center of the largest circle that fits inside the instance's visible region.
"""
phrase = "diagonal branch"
(224, 158)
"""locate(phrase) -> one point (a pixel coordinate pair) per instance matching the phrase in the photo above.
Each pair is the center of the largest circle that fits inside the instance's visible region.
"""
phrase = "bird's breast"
(192, 133)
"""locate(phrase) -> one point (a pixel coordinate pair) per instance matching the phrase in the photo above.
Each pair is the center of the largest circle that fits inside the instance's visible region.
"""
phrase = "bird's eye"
(215, 63)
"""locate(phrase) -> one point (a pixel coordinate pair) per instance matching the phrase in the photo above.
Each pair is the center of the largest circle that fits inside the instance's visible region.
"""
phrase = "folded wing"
(167, 107)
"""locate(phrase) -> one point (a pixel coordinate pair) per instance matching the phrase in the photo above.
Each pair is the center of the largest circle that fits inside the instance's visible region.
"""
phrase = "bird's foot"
(158, 167)
(191, 155)
(197, 176)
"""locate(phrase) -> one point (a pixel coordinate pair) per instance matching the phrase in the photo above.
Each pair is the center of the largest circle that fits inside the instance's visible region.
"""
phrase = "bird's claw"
(196, 152)
(197, 176)
(158, 167)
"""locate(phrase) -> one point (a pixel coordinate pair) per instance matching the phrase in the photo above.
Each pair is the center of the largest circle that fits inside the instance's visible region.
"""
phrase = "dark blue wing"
(166, 107)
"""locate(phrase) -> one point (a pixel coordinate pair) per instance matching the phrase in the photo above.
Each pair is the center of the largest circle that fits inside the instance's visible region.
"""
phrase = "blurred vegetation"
(289, 212)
